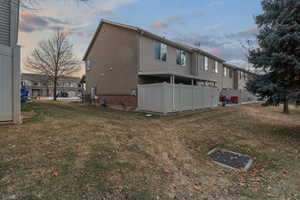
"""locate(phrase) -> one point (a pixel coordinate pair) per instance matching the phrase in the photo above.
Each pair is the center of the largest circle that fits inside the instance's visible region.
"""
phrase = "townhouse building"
(131, 66)
(39, 86)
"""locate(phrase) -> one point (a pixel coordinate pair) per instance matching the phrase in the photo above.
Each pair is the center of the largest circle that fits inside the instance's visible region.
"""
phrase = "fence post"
(139, 97)
(164, 98)
(193, 97)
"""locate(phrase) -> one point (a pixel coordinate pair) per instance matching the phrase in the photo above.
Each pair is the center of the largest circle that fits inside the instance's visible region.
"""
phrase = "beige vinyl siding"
(113, 62)
(209, 74)
(227, 80)
(148, 63)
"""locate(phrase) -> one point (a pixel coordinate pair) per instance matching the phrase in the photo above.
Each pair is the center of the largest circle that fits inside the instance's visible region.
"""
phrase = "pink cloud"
(159, 25)
(31, 23)
(166, 23)
(217, 51)
(85, 35)
(66, 32)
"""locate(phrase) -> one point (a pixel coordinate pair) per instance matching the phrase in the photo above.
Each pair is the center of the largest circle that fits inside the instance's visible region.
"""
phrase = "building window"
(161, 51)
(205, 63)
(93, 93)
(241, 75)
(88, 65)
(230, 73)
(216, 67)
(225, 71)
(181, 58)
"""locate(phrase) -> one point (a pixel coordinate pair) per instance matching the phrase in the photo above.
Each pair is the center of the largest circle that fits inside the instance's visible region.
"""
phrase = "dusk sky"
(219, 26)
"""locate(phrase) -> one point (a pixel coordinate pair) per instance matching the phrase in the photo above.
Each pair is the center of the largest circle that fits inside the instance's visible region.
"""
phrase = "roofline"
(208, 54)
(236, 67)
(150, 35)
(167, 41)
(43, 75)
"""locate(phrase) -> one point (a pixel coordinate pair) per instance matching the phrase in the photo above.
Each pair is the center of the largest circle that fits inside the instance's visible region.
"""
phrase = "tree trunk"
(55, 89)
(286, 105)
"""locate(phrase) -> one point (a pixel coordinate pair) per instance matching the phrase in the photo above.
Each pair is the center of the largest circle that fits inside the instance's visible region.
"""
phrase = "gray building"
(9, 63)
(40, 86)
(131, 66)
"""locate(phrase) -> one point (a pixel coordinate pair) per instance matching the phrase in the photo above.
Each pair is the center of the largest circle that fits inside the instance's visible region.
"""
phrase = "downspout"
(139, 67)
(15, 49)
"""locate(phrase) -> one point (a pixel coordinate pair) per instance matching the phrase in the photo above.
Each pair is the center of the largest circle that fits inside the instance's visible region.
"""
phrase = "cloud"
(159, 25)
(87, 35)
(202, 40)
(111, 5)
(232, 52)
(226, 46)
(31, 23)
(228, 52)
(246, 34)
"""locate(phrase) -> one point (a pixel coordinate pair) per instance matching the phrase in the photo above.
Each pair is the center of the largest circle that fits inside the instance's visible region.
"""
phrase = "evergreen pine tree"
(278, 52)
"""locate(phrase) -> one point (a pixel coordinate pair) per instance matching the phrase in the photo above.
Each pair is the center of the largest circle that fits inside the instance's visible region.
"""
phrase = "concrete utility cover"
(230, 159)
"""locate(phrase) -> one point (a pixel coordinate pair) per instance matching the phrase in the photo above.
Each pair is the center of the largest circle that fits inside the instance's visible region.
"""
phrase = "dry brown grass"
(69, 151)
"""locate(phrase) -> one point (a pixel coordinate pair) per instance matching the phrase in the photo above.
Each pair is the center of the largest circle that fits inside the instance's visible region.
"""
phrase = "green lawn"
(69, 151)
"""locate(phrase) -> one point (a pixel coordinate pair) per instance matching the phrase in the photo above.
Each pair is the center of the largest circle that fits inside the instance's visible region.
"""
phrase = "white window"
(216, 68)
(93, 93)
(181, 58)
(230, 73)
(161, 51)
(225, 71)
(88, 65)
(205, 63)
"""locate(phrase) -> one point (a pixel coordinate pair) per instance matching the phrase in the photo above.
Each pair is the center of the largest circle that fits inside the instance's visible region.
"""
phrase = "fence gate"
(6, 88)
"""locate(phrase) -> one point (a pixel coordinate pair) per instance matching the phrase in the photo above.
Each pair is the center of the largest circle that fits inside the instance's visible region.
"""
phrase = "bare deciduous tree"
(53, 58)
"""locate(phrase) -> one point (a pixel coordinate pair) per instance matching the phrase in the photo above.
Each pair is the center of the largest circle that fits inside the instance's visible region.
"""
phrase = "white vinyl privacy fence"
(167, 98)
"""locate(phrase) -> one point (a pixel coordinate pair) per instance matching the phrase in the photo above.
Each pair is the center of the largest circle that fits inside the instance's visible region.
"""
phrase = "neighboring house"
(40, 86)
(10, 108)
(130, 66)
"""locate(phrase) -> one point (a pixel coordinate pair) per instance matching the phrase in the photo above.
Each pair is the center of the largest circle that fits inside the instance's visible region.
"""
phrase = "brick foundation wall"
(87, 98)
(125, 100)
(120, 100)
